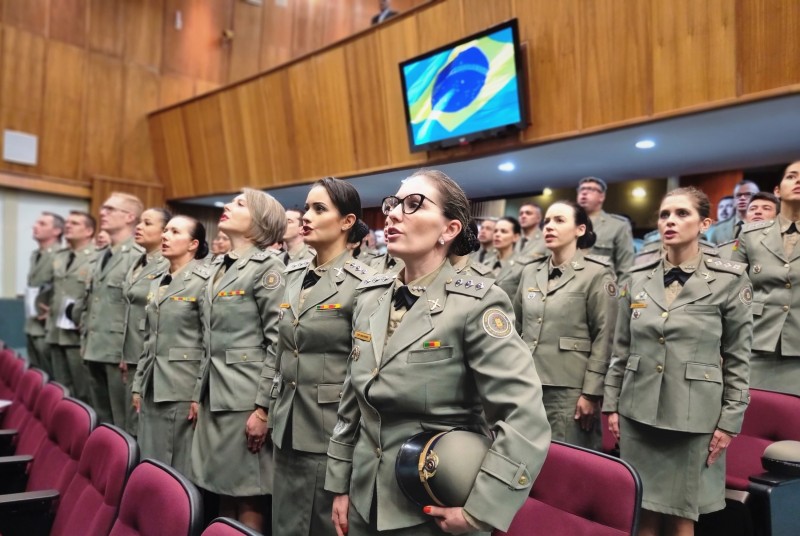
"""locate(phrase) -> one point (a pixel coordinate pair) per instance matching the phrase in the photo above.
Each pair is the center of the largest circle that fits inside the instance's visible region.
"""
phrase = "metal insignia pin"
(479, 286)
(468, 284)
(459, 282)
(757, 268)
(636, 313)
(434, 304)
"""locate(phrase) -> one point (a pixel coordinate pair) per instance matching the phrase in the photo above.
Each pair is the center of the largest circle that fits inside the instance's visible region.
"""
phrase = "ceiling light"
(547, 191)
(219, 204)
(645, 144)
(639, 192)
(507, 166)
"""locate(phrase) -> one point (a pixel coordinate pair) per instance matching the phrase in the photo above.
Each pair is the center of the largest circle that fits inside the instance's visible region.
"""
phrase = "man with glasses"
(614, 234)
(726, 230)
(104, 307)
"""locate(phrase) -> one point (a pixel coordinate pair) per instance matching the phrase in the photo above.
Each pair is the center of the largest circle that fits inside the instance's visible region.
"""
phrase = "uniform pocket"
(329, 393)
(633, 363)
(757, 308)
(703, 372)
(243, 356)
(186, 354)
(574, 344)
(702, 309)
(430, 356)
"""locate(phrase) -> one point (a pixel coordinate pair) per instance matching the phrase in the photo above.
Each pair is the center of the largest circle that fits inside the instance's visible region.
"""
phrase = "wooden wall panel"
(203, 86)
(335, 112)
(141, 98)
(62, 142)
(308, 27)
(104, 116)
(68, 20)
(479, 14)
(106, 27)
(440, 24)
(151, 194)
(174, 89)
(173, 161)
(768, 43)
(207, 146)
(614, 60)
(242, 110)
(28, 15)
(305, 111)
(276, 38)
(548, 32)
(247, 23)
(144, 22)
(694, 52)
(276, 134)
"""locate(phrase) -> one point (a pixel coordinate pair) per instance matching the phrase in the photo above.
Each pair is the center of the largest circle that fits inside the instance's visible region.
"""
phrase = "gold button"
(788, 285)
(296, 353)
(661, 340)
(786, 265)
(244, 357)
(378, 452)
(706, 376)
(185, 356)
(539, 320)
(295, 322)
(574, 346)
(293, 384)
(659, 368)
(664, 314)
(523, 480)
(449, 280)
(785, 307)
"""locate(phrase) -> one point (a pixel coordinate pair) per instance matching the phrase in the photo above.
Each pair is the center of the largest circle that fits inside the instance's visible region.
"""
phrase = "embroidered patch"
(271, 280)
(496, 323)
(611, 288)
(638, 305)
(746, 295)
(360, 335)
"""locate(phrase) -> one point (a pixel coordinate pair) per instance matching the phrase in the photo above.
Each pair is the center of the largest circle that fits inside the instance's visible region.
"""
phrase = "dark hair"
(581, 218)
(197, 232)
(455, 206)
(88, 219)
(165, 214)
(473, 226)
(296, 209)
(345, 198)
(597, 180)
(698, 197)
(514, 223)
(766, 196)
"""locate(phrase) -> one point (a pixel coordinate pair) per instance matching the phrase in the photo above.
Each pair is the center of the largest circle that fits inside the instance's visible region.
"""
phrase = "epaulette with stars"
(297, 265)
(756, 225)
(599, 259)
(377, 280)
(261, 255)
(477, 287)
(358, 269)
(724, 265)
(202, 271)
(644, 266)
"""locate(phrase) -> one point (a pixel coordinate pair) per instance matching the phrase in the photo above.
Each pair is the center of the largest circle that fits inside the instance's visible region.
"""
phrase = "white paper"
(63, 321)
(31, 293)
(4, 403)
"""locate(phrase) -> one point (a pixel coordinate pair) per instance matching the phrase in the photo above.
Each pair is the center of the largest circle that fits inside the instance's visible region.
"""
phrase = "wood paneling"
(308, 28)
(106, 26)
(304, 109)
(715, 185)
(479, 14)
(174, 89)
(151, 194)
(144, 22)
(173, 161)
(202, 86)
(336, 139)
(438, 25)
(45, 184)
(277, 30)
(141, 98)
(247, 23)
(276, 132)
(62, 131)
(28, 15)
(207, 146)
(694, 52)
(68, 19)
(768, 43)
(104, 116)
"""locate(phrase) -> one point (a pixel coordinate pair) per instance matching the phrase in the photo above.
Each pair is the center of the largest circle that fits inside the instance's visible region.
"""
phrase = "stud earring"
(441, 240)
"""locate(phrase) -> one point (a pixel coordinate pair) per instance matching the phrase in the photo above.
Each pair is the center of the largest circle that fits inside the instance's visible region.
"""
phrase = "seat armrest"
(14, 473)
(7, 445)
(29, 514)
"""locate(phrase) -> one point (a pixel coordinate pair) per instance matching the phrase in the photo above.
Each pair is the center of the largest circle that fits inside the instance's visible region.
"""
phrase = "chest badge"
(756, 268)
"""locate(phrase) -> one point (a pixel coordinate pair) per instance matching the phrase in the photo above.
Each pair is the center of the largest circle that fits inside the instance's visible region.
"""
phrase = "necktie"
(738, 228)
(482, 256)
(522, 243)
(166, 280)
(228, 262)
(71, 259)
(143, 260)
(554, 274)
(676, 274)
(310, 279)
(286, 259)
(106, 257)
(37, 257)
(404, 298)
(792, 229)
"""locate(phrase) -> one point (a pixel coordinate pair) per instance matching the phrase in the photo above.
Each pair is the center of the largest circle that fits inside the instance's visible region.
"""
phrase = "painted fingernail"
(427, 509)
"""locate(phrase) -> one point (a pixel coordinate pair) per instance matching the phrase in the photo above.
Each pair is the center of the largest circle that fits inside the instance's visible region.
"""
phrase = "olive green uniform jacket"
(685, 366)
(723, 231)
(454, 360)
(68, 286)
(614, 240)
(510, 273)
(136, 289)
(40, 275)
(533, 246)
(569, 328)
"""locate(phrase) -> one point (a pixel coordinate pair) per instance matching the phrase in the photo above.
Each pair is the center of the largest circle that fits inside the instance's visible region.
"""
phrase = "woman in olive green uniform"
(431, 352)
(507, 267)
(166, 375)
(241, 303)
(677, 387)
(565, 307)
(135, 289)
(314, 342)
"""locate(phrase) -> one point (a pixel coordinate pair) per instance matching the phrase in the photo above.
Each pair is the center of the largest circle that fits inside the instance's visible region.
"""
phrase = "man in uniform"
(105, 318)
(72, 270)
(531, 243)
(486, 254)
(296, 248)
(47, 232)
(770, 249)
(614, 234)
(726, 230)
(763, 206)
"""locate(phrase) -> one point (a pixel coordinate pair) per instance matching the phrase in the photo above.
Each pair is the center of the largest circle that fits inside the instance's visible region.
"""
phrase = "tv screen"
(466, 90)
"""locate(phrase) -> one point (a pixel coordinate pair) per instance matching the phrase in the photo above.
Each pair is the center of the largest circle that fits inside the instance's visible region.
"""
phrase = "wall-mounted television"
(464, 91)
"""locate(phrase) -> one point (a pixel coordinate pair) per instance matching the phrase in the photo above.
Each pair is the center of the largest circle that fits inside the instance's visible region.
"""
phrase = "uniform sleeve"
(204, 310)
(271, 367)
(516, 301)
(623, 252)
(343, 440)
(269, 306)
(145, 362)
(602, 315)
(511, 393)
(737, 339)
(619, 354)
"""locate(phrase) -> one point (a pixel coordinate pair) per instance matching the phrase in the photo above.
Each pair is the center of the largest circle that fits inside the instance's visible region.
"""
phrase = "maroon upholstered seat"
(225, 526)
(21, 410)
(90, 503)
(159, 501)
(32, 436)
(10, 374)
(581, 493)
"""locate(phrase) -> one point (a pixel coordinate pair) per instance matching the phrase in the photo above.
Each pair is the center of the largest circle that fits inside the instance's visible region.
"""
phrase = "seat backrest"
(159, 501)
(35, 432)
(225, 526)
(581, 493)
(21, 410)
(11, 377)
(56, 461)
(770, 417)
(90, 504)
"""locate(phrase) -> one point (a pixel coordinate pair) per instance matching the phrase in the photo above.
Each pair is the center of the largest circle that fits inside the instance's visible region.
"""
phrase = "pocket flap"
(703, 309)
(757, 308)
(428, 356)
(703, 372)
(514, 475)
(186, 354)
(235, 356)
(328, 393)
(574, 344)
(633, 363)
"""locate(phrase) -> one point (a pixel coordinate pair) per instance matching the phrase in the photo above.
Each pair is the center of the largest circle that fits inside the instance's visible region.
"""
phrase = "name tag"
(285, 305)
(360, 335)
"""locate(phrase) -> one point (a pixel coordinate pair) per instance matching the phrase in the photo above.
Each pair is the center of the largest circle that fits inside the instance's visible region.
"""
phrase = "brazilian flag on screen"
(463, 90)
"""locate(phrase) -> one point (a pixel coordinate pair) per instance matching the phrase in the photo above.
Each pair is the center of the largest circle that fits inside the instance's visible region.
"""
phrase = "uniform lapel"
(293, 290)
(569, 273)
(177, 285)
(542, 275)
(233, 272)
(696, 287)
(324, 289)
(654, 287)
(378, 321)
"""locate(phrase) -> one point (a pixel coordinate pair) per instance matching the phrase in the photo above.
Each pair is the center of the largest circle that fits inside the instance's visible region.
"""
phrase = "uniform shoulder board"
(297, 265)
(526, 259)
(377, 280)
(203, 271)
(476, 287)
(481, 269)
(747, 227)
(217, 260)
(724, 265)
(136, 248)
(599, 259)
(652, 236)
(261, 256)
(620, 218)
(713, 251)
(358, 269)
(62, 250)
(645, 266)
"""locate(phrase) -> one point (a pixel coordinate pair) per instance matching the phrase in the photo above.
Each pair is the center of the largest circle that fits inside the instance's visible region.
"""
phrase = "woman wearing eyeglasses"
(565, 310)
(433, 351)
(677, 387)
(507, 267)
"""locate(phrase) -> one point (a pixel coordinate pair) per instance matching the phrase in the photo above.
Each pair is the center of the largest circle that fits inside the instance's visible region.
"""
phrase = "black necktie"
(522, 243)
(676, 274)
(286, 259)
(554, 274)
(792, 229)
(71, 259)
(143, 260)
(310, 279)
(106, 257)
(37, 257)
(167, 279)
(738, 228)
(404, 298)
(228, 262)
(482, 256)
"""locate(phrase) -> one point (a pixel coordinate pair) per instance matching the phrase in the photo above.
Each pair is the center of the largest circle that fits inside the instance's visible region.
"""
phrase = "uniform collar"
(420, 284)
(785, 223)
(688, 266)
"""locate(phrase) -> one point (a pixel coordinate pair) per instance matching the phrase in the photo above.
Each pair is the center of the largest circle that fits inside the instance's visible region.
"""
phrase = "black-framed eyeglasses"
(410, 203)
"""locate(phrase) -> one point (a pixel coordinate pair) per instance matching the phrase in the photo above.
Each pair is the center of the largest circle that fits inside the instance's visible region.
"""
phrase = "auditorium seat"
(32, 436)
(581, 493)
(10, 373)
(159, 501)
(20, 412)
(225, 526)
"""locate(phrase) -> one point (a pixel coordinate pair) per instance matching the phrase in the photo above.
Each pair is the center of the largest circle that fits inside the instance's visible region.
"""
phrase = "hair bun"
(357, 232)
(466, 242)
(202, 250)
